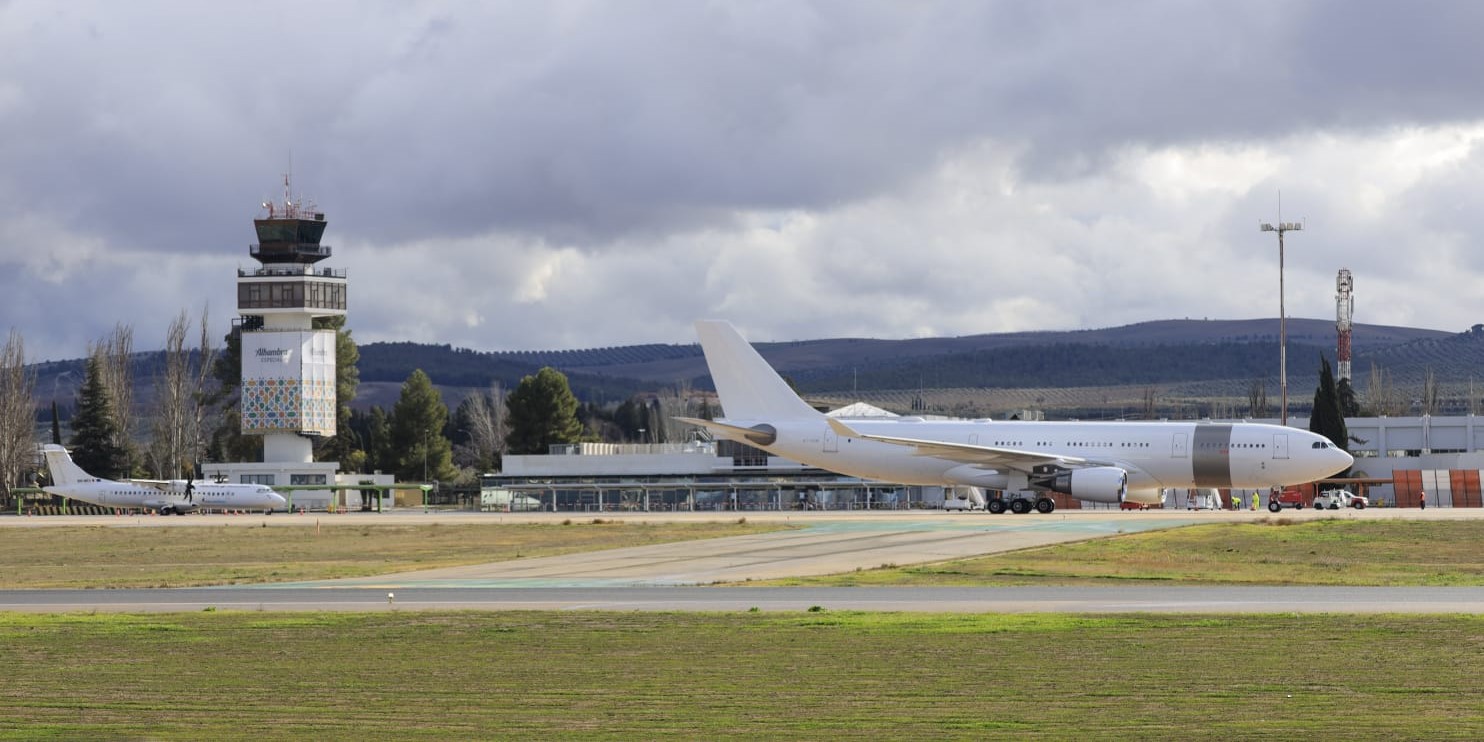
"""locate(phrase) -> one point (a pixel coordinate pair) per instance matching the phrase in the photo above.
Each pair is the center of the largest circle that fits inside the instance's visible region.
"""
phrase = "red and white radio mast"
(1344, 312)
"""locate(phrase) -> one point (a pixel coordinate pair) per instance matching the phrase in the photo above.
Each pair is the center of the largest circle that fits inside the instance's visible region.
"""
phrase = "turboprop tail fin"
(59, 463)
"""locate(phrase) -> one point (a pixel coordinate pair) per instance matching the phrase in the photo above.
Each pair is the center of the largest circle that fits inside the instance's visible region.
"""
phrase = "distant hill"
(1219, 358)
(667, 364)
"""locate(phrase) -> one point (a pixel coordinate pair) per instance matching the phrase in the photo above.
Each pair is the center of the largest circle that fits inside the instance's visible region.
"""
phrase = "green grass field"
(1276, 552)
(221, 675)
(1272, 552)
(101, 556)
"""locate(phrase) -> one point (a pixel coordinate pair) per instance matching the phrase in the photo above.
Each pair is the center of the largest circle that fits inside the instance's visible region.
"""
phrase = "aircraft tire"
(996, 506)
(1020, 507)
(1045, 505)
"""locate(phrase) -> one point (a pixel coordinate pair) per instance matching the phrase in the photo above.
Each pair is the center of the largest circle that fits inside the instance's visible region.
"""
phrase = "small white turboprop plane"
(178, 496)
(1106, 462)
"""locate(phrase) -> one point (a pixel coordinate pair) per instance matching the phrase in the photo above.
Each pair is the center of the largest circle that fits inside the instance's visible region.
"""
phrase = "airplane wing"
(990, 457)
(762, 435)
(163, 485)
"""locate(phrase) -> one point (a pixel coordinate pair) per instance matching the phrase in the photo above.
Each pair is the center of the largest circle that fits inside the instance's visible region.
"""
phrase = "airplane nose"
(1343, 461)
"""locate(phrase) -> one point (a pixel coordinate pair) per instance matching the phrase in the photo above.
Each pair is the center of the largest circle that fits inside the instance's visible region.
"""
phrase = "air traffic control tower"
(288, 367)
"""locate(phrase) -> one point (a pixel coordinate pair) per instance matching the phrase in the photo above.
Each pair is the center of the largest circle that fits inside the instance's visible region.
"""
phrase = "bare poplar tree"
(181, 401)
(1430, 393)
(17, 414)
(1380, 394)
(173, 405)
(670, 404)
(115, 355)
(487, 423)
(199, 430)
(1149, 407)
(1257, 398)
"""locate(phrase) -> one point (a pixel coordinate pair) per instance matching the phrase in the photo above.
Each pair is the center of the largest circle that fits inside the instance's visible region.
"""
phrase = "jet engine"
(1093, 484)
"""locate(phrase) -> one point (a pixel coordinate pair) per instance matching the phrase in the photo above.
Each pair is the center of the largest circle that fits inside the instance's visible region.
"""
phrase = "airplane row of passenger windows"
(1082, 444)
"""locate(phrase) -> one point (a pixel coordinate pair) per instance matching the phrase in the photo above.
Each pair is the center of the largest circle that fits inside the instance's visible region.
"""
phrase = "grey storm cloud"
(587, 120)
(146, 130)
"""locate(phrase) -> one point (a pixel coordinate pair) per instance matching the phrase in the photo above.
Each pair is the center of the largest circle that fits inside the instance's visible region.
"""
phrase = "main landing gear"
(1021, 503)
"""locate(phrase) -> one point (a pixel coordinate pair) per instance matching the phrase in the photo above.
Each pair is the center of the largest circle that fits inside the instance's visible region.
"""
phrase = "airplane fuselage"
(110, 493)
(1155, 454)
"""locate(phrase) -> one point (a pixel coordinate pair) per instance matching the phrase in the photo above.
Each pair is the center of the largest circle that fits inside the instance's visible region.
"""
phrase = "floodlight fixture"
(1282, 311)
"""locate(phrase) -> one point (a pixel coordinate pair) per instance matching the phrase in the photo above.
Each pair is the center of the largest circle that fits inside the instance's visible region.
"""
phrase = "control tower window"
(290, 295)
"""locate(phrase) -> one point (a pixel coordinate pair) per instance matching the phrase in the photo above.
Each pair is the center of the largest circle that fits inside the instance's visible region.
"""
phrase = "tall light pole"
(1282, 313)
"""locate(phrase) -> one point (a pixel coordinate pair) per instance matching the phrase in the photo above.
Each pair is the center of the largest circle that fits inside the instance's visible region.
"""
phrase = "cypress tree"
(1326, 418)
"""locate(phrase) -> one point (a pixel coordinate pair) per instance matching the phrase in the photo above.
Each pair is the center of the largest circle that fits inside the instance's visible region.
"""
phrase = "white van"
(1339, 498)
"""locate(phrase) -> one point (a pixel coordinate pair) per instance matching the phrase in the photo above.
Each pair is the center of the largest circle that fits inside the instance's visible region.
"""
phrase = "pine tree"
(94, 430)
(543, 412)
(418, 420)
(379, 440)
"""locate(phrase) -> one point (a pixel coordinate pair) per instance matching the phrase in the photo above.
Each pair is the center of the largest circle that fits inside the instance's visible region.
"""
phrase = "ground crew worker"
(1422, 499)
(1254, 500)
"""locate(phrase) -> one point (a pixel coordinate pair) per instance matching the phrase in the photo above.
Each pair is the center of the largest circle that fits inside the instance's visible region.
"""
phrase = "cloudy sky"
(537, 175)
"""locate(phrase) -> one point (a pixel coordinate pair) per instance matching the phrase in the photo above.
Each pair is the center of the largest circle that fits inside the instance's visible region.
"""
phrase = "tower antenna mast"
(1344, 313)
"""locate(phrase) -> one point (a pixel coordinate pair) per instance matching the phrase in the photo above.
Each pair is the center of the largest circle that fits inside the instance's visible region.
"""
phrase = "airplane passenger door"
(831, 441)
(1280, 445)
(1178, 450)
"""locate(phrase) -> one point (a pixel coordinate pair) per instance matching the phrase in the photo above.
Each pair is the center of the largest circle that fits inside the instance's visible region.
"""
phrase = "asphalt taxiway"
(671, 577)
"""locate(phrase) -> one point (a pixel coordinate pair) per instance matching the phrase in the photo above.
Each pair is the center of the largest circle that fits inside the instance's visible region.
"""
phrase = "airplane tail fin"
(749, 388)
(59, 463)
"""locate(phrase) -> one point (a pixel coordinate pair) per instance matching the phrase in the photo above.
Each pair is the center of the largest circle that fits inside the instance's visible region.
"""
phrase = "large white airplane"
(1105, 462)
(178, 496)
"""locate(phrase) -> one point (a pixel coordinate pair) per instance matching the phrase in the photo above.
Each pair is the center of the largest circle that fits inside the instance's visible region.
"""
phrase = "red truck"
(1285, 499)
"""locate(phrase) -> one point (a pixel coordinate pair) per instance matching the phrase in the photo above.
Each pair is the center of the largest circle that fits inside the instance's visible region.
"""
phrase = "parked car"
(1339, 498)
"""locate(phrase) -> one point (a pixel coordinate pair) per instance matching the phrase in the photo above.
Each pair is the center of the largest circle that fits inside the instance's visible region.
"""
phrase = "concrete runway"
(652, 577)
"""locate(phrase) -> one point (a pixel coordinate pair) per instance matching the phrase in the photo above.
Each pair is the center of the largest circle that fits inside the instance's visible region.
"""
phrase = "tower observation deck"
(287, 290)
